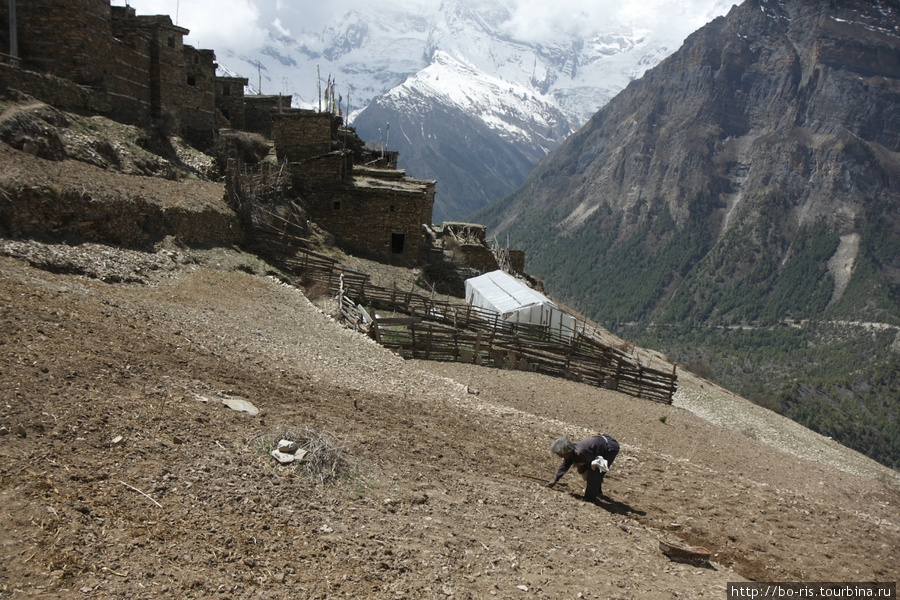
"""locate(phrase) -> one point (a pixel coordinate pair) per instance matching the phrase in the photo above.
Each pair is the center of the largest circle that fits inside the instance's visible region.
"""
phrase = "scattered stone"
(283, 458)
(20, 431)
(177, 440)
(80, 507)
(117, 440)
(4, 430)
(288, 451)
(241, 405)
(288, 446)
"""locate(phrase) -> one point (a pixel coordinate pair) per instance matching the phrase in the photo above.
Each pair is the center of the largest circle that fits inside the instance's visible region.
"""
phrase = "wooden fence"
(418, 326)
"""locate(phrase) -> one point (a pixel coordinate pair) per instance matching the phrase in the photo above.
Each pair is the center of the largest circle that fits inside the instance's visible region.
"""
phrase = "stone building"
(362, 199)
(137, 67)
(258, 111)
(230, 101)
(303, 134)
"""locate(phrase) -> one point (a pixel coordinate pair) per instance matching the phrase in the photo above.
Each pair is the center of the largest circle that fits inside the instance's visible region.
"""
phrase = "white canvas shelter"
(517, 303)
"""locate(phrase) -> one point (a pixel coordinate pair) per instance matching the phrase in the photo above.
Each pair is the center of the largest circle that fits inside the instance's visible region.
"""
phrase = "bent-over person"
(593, 458)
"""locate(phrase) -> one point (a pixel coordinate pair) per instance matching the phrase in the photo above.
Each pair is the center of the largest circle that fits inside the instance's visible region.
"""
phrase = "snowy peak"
(511, 109)
(351, 34)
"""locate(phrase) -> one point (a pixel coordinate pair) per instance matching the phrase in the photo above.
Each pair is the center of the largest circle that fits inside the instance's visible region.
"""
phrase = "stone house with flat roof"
(354, 193)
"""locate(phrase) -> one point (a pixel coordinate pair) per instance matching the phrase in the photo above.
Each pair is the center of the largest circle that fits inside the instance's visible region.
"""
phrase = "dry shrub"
(315, 289)
(247, 147)
(327, 458)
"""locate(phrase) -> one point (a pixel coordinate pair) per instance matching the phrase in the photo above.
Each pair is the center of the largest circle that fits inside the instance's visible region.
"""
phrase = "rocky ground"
(125, 474)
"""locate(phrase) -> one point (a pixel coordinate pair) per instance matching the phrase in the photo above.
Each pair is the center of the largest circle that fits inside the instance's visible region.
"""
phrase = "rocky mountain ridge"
(748, 180)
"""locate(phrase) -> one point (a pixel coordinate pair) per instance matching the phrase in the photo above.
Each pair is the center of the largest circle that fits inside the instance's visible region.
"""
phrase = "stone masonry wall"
(230, 99)
(370, 220)
(53, 90)
(197, 103)
(63, 38)
(478, 257)
(130, 222)
(517, 260)
(302, 134)
(258, 111)
(127, 74)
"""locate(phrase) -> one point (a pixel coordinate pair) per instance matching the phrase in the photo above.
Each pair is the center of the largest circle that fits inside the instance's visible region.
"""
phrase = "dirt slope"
(123, 475)
(189, 504)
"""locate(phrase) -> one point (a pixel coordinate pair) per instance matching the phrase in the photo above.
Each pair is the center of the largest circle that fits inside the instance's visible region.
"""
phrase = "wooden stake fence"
(429, 329)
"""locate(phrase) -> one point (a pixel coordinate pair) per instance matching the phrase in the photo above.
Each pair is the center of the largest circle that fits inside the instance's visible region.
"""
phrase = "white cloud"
(240, 25)
(280, 28)
(535, 20)
(232, 24)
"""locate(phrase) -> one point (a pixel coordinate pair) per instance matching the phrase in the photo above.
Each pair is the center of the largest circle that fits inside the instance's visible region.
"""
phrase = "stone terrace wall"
(130, 222)
(53, 90)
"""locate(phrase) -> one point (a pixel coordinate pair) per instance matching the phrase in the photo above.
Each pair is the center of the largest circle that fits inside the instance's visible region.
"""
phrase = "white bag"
(600, 464)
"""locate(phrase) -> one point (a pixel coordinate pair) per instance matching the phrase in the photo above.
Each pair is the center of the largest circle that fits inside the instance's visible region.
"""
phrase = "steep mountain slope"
(135, 463)
(477, 135)
(751, 178)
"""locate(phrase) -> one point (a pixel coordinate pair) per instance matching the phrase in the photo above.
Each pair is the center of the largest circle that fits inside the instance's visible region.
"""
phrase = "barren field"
(124, 472)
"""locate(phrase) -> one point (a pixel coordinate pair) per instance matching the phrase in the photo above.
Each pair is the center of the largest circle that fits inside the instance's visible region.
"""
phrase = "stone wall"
(373, 219)
(517, 260)
(63, 38)
(230, 99)
(477, 257)
(258, 112)
(130, 222)
(303, 134)
(196, 106)
(61, 93)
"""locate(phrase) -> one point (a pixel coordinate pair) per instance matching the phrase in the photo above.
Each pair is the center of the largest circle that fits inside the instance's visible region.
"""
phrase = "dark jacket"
(587, 450)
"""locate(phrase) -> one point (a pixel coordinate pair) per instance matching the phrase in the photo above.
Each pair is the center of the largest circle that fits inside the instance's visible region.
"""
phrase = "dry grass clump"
(327, 459)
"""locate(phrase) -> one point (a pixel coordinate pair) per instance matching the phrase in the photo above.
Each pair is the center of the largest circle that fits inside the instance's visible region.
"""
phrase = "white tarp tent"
(517, 303)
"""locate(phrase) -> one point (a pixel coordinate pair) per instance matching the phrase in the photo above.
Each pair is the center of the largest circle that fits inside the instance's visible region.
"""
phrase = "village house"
(88, 55)
(356, 194)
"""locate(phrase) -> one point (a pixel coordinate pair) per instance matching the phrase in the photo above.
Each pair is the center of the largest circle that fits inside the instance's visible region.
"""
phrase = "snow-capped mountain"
(464, 87)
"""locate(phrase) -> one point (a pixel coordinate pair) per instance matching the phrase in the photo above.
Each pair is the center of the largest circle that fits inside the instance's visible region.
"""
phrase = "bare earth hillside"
(123, 474)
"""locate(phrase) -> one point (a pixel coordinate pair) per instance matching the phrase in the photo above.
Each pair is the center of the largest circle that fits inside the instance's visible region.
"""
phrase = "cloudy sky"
(240, 25)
